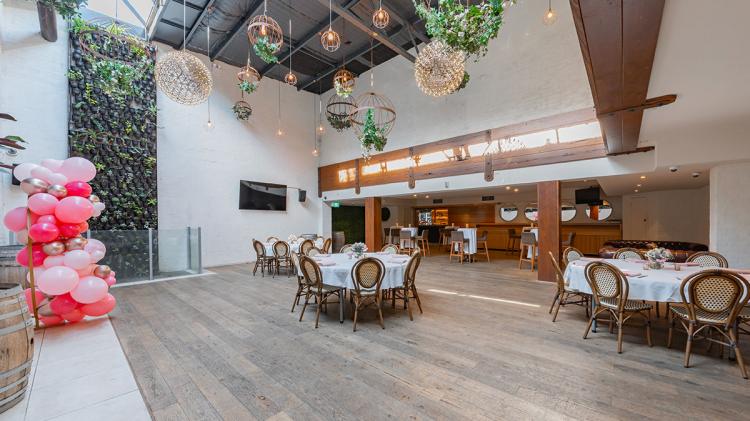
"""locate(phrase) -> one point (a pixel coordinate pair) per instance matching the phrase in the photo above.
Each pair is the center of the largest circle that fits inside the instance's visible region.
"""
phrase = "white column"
(730, 212)
(324, 228)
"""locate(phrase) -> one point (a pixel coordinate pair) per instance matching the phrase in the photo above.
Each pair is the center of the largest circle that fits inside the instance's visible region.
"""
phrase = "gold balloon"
(45, 310)
(34, 185)
(57, 190)
(94, 198)
(54, 248)
(76, 243)
(102, 271)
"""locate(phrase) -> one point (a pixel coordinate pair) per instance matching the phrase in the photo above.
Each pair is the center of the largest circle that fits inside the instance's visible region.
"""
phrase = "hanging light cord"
(184, 23)
(290, 45)
(208, 54)
(330, 15)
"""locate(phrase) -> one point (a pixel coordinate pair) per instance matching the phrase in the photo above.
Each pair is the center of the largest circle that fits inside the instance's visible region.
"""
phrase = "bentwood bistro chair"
(571, 254)
(627, 253)
(367, 275)
(306, 246)
(565, 295)
(408, 291)
(709, 259)
(261, 259)
(281, 256)
(390, 249)
(313, 279)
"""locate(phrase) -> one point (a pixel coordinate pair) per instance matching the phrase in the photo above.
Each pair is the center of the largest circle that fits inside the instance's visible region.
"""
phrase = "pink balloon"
(53, 164)
(95, 245)
(37, 256)
(38, 271)
(47, 219)
(51, 320)
(15, 219)
(72, 210)
(39, 298)
(43, 232)
(52, 261)
(78, 169)
(77, 259)
(23, 171)
(22, 237)
(110, 280)
(88, 270)
(43, 203)
(63, 304)
(101, 307)
(41, 173)
(58, 280)
(89, 290)
(57, 178)
(96, 256)
(74, 316)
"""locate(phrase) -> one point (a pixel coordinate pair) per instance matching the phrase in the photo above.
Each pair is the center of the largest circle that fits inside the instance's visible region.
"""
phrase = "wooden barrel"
(10, 270)
(338, 241)
(16, 345)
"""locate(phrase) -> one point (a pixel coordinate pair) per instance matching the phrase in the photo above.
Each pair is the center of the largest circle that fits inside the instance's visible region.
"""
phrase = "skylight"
(121, 9)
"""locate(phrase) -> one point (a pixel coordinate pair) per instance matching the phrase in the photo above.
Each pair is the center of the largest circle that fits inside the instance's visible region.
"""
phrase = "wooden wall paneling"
(373, 223)
(548, 199)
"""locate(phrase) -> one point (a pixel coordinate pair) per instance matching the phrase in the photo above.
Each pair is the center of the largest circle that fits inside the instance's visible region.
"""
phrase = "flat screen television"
(262, 196)
(589, 196)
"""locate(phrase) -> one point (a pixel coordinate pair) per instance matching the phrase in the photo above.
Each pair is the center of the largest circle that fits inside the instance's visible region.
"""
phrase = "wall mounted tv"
(589, 196)
(262, 196)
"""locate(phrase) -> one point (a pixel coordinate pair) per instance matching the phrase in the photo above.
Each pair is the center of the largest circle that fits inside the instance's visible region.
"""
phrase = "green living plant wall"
(112, 122)
(350, 220)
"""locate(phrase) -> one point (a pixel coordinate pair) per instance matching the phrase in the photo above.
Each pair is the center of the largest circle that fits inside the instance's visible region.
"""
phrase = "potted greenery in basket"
(247, 86)
(372, 137)
(339, 122)
(242, 110)
(266, 50)
(68, 9)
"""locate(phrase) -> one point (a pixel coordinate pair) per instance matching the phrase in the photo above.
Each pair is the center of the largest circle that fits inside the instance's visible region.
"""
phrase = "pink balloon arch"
(66, 282)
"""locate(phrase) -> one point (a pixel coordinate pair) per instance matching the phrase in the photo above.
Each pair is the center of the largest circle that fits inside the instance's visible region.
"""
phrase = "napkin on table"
(327, 262)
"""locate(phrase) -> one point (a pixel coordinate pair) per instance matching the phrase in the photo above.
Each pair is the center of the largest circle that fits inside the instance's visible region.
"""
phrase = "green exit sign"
(335, 204)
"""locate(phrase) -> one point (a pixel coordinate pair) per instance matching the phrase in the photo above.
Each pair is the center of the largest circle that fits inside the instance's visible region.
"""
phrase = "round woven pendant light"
(339, 110)
(380, 17)
(383, 112)
(182, 76)
(330, 39)
(343, 82)
(248, 74)
(439, 69)
(264, 26)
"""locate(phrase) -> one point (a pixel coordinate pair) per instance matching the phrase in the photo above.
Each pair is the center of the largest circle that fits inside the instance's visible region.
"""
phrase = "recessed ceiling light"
(507, 187)
(415, 195)
(515, 190)
(638, 185)
(643, 177)
(427, 196)
(636, 190)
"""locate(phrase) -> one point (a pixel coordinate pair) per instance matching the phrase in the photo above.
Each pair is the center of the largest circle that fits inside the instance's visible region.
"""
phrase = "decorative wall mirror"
(508, 212)
(600, 212)
(567, 212)
(531, 212)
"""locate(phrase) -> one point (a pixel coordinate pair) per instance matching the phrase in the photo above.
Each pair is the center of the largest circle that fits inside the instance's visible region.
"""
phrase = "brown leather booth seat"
(680, 249)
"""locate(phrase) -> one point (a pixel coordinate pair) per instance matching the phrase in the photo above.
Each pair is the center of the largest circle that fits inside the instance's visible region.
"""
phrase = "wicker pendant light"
(264, 26)
(380, 17)
(330, 39)
(439, 69)
(182, 76)
(343, 82)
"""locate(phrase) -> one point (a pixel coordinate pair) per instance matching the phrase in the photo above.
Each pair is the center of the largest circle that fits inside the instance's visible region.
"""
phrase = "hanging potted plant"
(247, 86)
(266, 50)
(372, 137)
(68, 9)
(242, 110)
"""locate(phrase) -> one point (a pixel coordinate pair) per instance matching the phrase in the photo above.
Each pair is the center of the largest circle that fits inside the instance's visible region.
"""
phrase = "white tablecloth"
(413, 232)
(340, 275)
(471, 235)
(293, 246)
(661, 285)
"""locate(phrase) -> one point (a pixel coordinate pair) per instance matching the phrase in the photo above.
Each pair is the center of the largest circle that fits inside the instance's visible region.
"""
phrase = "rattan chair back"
(260, 249)
(606, 281)
(390, 249)
(272, 239)
(627, 253)
(571, 254)
(368, 273)
(295, 261)
(559, 278)
(311, 272)
(327, 245)
(709, 259)
(720, 293)
(346, 248)
(281, 249)
(313, 252)
(410, 274)
(306, 246)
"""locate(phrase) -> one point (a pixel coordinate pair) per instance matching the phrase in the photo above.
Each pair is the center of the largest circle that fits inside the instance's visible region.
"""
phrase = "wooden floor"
(227, 347)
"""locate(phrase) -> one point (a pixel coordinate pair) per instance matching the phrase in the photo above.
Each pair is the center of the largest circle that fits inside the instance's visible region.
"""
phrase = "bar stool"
(423, 242)
(445, 236)
(569, 241)
(393, 234)
(482, 242)
(512, 237)
(528, 245)
(458, 245)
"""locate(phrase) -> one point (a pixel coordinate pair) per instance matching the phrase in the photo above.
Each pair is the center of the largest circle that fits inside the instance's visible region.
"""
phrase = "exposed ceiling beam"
(374, 33)
(412, 30)
(188, 4)
(197, 23)
(173, 24)
(252, 11)
(312, 34)
(157, 19)
(618, 43)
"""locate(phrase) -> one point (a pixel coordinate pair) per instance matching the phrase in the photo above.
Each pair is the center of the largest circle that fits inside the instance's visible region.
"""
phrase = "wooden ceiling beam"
(618, 43)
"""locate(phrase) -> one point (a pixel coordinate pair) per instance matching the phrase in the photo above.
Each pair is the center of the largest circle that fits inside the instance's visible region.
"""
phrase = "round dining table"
(337, 271)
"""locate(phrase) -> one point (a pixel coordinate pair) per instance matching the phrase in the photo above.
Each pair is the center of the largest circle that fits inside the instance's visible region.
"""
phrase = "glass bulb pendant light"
(380, 17)
(290, 77)
(550, 16)
(330, 39)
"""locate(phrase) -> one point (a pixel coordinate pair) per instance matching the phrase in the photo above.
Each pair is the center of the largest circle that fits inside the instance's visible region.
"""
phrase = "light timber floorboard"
(227, 347)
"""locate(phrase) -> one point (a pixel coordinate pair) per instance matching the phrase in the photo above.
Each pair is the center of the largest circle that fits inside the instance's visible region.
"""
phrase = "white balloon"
(57, 178)
(99, 206)
(96, 213)
(53, 164)
(23, 171)
(96, 256)
(22, 237)
(42, 173)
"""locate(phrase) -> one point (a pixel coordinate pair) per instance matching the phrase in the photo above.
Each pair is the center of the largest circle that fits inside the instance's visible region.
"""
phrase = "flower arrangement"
(657, 256)
(467, 28)
(372, 136)
(359, 249)
(266, 50)
(248, 87)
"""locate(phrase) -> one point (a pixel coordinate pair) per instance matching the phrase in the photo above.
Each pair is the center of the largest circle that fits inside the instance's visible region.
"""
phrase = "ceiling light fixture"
(515, 190)
(380, 18)
(330, 39)
(643, 177)
(290, 78)
(439, 69)
(550, 16)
